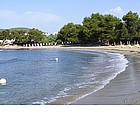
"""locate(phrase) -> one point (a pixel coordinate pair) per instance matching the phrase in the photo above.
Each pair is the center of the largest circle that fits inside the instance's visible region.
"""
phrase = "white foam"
(121, 66)
(118, 64)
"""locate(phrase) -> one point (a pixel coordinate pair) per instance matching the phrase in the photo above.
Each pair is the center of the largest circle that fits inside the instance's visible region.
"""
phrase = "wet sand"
(124, 89)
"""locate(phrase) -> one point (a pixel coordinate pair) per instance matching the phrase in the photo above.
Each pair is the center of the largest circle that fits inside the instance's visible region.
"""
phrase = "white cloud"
(41, 20)
(40, 17)
(116, 11)
(7, 14)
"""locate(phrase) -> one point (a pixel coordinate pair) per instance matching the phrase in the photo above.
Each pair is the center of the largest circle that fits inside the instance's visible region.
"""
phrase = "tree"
(121, 33)
(137, 37)
(1, 36)
(20, 36)
(50, 38)
(69, 33)
(35, 36)
(132, 23)
(109, 25)
(5, 34)
(100, 29)
(92, 28)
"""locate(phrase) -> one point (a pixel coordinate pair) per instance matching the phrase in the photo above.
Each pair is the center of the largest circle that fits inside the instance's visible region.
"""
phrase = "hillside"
(19, 28)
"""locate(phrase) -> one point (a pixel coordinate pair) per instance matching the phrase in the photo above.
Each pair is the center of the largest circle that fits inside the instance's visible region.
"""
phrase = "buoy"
(56, 59)
(2, 81)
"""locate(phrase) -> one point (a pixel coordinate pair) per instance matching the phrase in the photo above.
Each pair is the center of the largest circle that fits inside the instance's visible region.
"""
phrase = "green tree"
(132, 22)
(5, 34)
(109, 25)
(121, 33)
(137, 37)
(50, 38)
(1, 36)
(69, 33)
(35, 36)
(20, 36)
(92, 28)
(83, 35)
(100, 29)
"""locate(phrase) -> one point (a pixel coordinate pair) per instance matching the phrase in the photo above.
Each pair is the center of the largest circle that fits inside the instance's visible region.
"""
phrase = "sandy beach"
(124, 89)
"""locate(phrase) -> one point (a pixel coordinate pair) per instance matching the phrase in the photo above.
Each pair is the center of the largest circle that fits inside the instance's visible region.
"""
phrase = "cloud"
(41, 20)
(116, 11)
(7, 14)
(40, 17)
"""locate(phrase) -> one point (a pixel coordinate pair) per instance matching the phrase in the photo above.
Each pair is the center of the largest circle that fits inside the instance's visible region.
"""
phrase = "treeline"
(96, 29)
(102, 29)
(29, 36)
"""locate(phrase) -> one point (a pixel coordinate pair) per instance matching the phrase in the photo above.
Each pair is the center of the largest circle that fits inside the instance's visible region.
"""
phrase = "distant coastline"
(122, 49)
(127, 50)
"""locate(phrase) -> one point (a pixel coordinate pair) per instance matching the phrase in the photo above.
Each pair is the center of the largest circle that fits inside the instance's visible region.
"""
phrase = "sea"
(42, 77)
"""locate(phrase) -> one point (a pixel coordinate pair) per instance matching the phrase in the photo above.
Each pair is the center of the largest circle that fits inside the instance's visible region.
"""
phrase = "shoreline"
(126, 49)
(133, 50)
(123, 89)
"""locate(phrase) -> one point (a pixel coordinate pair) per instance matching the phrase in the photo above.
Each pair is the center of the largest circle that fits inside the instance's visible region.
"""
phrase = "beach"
(123, 89)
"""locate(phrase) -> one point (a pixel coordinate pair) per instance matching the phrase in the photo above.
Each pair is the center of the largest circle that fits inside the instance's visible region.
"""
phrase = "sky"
(51, 15)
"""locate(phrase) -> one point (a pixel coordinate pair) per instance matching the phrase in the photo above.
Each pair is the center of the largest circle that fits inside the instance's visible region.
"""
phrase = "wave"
(13, 60)
(77, 75)
(96, 80)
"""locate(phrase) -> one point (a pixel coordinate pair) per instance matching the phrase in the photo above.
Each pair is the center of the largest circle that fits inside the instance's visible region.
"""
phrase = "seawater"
(35, 77)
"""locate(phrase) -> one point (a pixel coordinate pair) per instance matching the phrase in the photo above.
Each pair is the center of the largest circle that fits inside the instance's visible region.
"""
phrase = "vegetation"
(102, 29)
(96, 29)
(26, 36)
(50, 38)
(12, 29)
(69, 34)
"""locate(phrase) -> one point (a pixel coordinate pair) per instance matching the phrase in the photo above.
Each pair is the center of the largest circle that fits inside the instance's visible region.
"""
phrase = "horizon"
(51, 16)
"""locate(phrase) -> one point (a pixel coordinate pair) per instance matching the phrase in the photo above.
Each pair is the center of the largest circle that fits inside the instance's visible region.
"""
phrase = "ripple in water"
(35, 77)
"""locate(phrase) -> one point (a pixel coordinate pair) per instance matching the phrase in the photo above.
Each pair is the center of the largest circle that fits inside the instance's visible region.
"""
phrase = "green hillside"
(12, 29)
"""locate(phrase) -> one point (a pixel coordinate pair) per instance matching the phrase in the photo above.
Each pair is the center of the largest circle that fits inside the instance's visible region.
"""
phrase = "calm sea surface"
(35, 77)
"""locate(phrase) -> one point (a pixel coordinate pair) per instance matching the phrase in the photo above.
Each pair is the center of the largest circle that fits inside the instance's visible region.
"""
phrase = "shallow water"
(35, 77)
